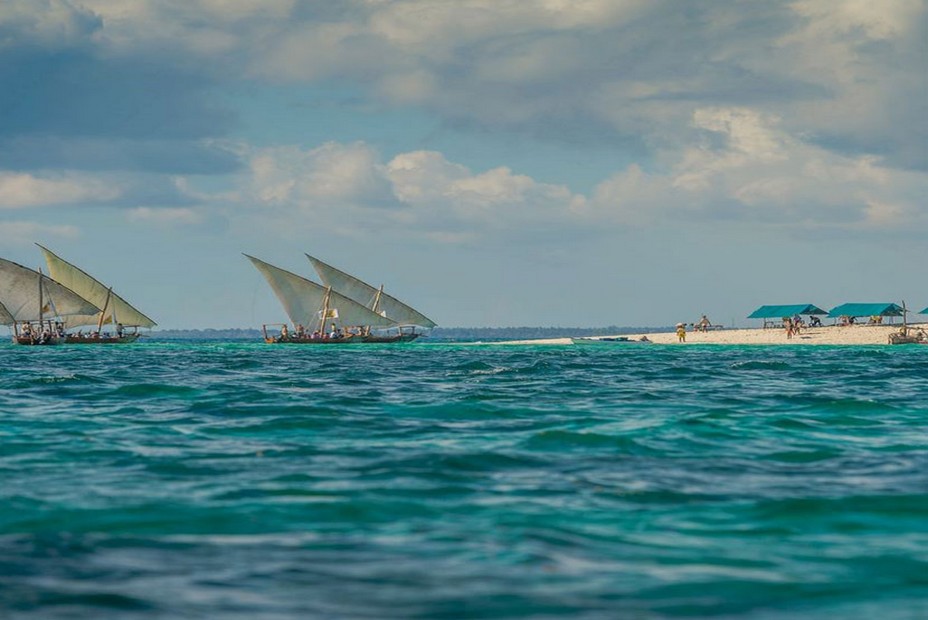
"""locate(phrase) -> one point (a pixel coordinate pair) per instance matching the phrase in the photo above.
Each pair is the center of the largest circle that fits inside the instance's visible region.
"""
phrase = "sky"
(491, 162)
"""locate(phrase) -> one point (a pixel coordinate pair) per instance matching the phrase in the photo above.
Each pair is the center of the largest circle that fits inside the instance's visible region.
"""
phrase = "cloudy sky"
(493, 162)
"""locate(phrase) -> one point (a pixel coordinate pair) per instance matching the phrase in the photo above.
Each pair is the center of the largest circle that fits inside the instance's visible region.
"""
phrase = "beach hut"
(774, 315)
(851, 311)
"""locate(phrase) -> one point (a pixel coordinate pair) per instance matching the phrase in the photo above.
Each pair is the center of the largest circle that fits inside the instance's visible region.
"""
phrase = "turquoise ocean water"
(239, 480)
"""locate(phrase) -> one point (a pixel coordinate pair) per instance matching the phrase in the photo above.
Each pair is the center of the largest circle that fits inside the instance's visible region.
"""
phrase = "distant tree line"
(207, 334)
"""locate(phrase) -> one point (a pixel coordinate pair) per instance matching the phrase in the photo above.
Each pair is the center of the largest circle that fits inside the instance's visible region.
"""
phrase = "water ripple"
(448, 481)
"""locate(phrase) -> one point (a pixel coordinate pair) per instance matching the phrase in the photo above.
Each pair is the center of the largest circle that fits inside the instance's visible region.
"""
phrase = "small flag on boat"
(331, 313)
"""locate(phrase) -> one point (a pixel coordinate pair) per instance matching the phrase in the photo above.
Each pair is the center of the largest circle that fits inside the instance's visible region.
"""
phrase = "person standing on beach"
(789, 328)
(704, 324)
(681, 332)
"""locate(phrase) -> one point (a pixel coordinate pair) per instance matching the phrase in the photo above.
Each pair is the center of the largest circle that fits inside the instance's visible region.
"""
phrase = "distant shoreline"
(825, 335)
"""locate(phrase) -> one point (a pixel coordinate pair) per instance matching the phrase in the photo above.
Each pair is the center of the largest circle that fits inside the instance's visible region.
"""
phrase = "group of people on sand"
(846, 320)
(702, 325)
(793, 325)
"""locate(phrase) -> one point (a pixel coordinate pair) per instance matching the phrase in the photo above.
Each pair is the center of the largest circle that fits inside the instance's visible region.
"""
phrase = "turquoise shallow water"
(239, 480)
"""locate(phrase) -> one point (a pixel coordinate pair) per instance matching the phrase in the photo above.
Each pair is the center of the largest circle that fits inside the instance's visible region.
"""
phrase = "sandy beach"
(827, 335)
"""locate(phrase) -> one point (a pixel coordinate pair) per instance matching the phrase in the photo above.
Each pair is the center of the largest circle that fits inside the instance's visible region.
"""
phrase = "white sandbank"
(829, 334)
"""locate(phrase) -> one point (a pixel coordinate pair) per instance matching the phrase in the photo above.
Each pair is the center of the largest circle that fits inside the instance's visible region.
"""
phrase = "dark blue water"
(445, 481)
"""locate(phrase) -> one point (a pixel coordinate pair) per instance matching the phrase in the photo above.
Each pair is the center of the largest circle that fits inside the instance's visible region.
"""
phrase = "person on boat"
(26, 330)
(334, 333)
(284, 332)
(119, 330)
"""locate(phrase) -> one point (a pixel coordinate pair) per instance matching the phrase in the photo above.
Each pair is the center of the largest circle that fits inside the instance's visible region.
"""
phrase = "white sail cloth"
(19, 296)
(114, 307)
(369, 296)
(5, 317)
(304, 300)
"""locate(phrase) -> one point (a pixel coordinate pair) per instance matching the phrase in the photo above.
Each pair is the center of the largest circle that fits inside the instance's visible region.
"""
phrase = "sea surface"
(240, 480)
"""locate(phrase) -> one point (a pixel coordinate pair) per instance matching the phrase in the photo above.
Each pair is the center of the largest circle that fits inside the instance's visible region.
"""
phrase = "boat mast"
(374, 307)
(103, 311)
(40, 299)
(325, 309)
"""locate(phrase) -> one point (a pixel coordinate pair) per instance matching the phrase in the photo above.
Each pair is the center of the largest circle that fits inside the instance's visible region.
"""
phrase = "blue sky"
(493, 162)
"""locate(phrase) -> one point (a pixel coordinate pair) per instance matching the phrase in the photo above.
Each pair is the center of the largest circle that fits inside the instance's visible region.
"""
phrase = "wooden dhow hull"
(124, 339)
(28, 341)
(345, 340)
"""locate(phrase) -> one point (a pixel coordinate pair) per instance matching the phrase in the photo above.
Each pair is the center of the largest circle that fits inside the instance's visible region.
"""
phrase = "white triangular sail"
(368, 296)
(19, 294)
(115, 308)
(5, 317)
(304, 300)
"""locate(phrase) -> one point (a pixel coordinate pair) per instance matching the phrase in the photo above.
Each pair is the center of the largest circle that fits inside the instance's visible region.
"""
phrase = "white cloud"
(796, 111)
(21, 190)
(328, 176)
(758, 172)
(868, 58)
(211, 28)
(166, 216)
(747, 168)
(348, 187)
(849, 75)
(494, 198)
(53, 24)
(24, 233)
(556, 66)
(888, 19)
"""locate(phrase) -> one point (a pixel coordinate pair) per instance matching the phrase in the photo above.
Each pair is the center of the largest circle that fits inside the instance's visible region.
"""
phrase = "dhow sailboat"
(35, 306)
(343, 310)
(111, 309)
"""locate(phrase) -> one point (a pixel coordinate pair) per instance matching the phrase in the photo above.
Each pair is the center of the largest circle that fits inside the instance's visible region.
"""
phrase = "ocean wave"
(240, 480)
